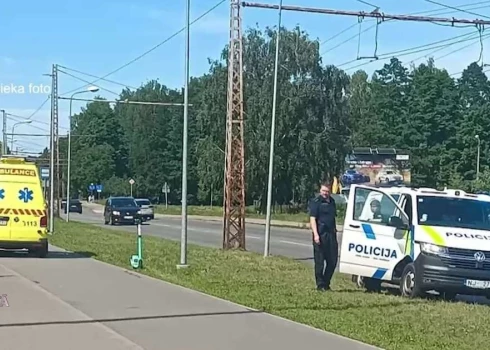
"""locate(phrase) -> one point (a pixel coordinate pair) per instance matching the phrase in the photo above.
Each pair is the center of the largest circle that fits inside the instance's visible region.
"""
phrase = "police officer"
(324, 229)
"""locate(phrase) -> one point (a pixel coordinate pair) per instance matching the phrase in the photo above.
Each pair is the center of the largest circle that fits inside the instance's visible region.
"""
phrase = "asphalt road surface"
(289, 242)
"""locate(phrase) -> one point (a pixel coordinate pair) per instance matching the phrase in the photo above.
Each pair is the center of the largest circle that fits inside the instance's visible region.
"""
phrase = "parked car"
(146, 208)
(121, 210)
(352, 176)
(389, 176)
(75, 206)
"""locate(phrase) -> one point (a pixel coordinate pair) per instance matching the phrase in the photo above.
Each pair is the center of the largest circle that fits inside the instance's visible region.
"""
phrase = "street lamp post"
(273, 133)
(13, 129)
(68, 180)
(478, 157)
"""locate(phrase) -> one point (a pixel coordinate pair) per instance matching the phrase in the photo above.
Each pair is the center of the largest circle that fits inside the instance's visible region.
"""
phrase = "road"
(289, 242)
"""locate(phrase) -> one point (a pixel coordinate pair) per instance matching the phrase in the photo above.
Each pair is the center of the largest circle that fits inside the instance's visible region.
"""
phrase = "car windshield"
(453, 212)
(124, 202)
(143, 202)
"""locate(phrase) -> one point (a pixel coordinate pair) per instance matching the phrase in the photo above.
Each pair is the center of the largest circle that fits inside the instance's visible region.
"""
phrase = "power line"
(457, 9)
(415, 49)
(434, 12)
(440, 49)
(32, 126)
(33, 120)
(150, 50)
(86, 81)
(97, 77)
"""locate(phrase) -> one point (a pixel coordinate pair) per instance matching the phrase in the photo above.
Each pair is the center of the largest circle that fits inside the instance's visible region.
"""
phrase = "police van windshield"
(453, 212)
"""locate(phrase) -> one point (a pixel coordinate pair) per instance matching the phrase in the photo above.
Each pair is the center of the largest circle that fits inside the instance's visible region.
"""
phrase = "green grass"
(285, 287)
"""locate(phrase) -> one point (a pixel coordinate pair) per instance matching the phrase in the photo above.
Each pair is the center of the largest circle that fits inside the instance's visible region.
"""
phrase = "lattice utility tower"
(234, 181)
(56, 143)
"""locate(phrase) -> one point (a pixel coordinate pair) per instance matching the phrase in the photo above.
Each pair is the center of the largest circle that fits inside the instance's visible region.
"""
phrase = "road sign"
(45, 173)
(165, 188)
(99, 188)
(131, 182)
(91, 187)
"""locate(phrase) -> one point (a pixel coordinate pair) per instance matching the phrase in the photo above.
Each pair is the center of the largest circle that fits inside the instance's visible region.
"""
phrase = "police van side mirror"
(397, 222)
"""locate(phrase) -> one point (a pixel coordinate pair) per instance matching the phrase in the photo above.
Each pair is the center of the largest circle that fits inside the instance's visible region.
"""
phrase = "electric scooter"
(137, 259)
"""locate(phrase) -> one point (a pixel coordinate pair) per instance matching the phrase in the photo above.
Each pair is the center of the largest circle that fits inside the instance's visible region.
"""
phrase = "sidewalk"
(97, 208)
(72, 302)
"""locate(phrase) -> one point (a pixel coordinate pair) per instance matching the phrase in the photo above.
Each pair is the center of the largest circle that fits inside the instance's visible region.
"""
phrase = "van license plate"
(3, 222)
(477, 284)
(128, 217)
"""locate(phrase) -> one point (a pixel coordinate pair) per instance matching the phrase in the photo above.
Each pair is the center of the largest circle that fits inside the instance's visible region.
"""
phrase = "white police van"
(427, 240)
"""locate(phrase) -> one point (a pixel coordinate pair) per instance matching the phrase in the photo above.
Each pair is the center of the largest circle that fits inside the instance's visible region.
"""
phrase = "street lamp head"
(93, 89)
(28, 122)
(477, 136)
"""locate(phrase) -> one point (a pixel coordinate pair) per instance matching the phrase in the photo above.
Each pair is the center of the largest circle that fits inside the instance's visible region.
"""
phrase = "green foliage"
(321, 114)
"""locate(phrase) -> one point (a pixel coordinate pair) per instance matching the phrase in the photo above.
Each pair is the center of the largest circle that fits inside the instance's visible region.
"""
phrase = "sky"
(97, 37)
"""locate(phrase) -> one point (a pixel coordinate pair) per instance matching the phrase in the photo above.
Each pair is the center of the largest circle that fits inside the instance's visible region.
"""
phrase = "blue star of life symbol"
(2, 193)
(25, 195)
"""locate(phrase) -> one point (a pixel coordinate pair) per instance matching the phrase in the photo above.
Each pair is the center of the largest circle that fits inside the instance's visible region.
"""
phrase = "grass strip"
(250, 212)
(284, 287)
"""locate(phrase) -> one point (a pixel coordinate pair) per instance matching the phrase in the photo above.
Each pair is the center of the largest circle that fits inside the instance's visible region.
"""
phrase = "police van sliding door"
(369, 247)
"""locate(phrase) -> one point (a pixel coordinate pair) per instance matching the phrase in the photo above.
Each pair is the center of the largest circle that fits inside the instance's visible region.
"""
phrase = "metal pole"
(12, 141)
(68, 170)
(183, 238)
(4, 142)
(273, 131)
(478, 159)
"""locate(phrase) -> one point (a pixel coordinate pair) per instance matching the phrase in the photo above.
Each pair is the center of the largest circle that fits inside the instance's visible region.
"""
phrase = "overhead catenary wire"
(86, 81)
(33, 120)
(417, 51)
(457, 9)
(97, 77)
(429, 46)
(433, 12)
(30, 125)
(443, 48)
(150, 50)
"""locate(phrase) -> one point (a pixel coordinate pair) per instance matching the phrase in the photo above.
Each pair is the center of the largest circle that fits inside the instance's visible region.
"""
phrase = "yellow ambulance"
(23, 216)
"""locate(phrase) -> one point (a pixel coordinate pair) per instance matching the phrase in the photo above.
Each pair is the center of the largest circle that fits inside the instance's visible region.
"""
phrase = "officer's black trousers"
(325, 253)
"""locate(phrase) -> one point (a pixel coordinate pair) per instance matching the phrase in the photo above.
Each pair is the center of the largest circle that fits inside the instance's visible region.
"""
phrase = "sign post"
(166, 190)
(131, 183)
(99, 190)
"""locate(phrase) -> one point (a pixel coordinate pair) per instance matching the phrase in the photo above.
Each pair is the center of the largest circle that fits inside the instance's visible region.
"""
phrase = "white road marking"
(297, 243)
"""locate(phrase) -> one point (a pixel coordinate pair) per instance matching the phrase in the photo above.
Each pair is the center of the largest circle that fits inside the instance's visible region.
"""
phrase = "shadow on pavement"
(51, 255)
(125, 319)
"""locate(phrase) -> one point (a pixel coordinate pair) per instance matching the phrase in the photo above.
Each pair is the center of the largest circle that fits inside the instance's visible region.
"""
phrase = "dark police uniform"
(324, 210)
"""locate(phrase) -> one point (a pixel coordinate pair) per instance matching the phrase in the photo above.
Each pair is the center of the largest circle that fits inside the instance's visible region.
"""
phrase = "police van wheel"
(408, 284)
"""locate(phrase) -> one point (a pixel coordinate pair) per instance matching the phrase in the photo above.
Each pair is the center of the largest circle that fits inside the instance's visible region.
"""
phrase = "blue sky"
(97, 37)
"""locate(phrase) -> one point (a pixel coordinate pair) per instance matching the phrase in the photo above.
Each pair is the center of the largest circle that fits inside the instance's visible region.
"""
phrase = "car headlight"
(139, 212)
(116, 213)
(433, 249)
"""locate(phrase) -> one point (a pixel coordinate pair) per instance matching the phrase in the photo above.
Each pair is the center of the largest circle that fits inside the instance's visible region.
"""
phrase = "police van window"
(408, 207)
(373, 206)
(453, 212)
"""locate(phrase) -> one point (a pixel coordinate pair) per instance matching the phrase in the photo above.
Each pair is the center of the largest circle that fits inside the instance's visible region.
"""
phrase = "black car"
(75, 206)
(121, 210)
